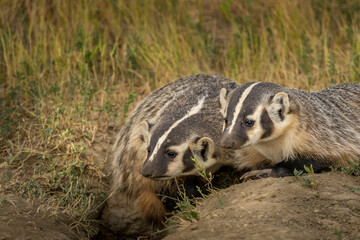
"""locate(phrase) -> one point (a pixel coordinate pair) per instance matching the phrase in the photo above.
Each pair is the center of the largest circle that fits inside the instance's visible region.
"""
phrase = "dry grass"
(68, 67)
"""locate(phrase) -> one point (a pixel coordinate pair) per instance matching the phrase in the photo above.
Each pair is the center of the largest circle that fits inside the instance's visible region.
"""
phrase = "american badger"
(189, 128)
(167, 115)
(287, 128)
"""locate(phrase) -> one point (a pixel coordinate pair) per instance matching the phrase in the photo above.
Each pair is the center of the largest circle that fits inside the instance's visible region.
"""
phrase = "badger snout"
(147, 170)
(228, 142)
(153, 170)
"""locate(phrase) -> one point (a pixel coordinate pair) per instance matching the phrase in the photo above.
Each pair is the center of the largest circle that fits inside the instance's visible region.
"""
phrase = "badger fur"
(289, 128)
(134, 206)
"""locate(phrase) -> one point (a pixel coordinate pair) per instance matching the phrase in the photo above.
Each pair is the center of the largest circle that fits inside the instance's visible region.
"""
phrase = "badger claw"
(256, 174)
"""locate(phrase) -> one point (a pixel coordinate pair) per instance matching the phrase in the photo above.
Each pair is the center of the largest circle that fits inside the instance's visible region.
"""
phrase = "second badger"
(288, 128)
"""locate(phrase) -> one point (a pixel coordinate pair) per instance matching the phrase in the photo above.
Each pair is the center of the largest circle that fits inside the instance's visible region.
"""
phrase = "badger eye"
(148, 149)
(226, 121)
(171, 154)
(249, 123)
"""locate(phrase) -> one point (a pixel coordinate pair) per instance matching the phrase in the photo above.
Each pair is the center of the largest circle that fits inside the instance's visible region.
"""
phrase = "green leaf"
(194, 215)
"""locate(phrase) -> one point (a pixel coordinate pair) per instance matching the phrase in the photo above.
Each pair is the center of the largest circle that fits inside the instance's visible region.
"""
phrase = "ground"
(269, 208)
(283, 208)
(21, 220)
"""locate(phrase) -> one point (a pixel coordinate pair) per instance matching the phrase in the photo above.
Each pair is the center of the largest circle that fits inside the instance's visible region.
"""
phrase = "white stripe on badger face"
(194, 110)
(239, 105)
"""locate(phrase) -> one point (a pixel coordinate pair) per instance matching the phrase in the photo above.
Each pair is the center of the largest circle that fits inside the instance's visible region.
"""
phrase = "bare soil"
(21, 219)
(280, 208)
(270, 208)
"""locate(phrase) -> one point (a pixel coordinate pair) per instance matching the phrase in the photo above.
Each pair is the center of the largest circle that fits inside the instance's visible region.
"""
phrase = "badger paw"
(256, 174)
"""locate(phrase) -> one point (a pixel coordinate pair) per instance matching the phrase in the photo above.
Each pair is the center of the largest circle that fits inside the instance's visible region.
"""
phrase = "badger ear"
(279, 107)
(144, 127)
(204, 148)
(223, 94)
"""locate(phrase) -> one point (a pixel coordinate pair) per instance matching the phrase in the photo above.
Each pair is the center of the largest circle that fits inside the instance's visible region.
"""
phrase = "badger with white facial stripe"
(190, 128)
(178, 113)
(289, 128)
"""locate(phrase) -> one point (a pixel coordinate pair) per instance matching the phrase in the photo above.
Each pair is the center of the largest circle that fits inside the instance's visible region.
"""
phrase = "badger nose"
(227, 143)
(146, 171)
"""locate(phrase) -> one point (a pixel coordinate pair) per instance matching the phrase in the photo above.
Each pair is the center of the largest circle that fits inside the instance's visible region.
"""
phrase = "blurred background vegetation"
(70, 70)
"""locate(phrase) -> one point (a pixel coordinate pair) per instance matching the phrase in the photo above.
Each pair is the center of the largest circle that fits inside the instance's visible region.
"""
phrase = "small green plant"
(338, 233)
(298, 173)
(130, 99)
(355, 189)
(32, 188)
(184, 211)
(6, 177)
(221, 202)
(208, 177)
(202, 172)
(310, 182)
(185, 208)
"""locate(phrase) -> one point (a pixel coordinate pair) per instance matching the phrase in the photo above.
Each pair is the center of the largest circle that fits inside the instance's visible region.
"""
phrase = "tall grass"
(68, 69)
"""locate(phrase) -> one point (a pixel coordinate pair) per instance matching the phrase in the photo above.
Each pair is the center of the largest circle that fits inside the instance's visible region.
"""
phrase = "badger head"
(254, 113)
(176, 153)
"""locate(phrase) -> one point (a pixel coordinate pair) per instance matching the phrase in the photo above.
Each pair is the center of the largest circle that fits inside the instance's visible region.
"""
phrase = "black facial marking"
(266, 124)
(188, 162)
(204, 151)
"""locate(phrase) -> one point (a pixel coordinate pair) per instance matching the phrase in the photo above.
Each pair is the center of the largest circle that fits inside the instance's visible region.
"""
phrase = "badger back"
(334, 129)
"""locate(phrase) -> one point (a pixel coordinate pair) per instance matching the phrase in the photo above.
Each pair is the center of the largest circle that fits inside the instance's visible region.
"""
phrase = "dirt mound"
(270, 208)
(284, 208)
